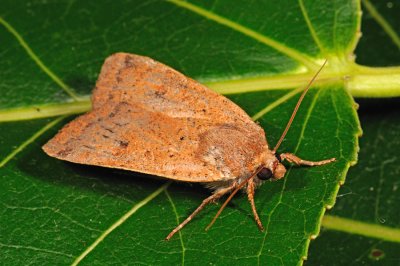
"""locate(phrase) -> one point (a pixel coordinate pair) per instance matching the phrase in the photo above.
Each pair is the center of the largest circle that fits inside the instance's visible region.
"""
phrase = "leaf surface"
(365, 218)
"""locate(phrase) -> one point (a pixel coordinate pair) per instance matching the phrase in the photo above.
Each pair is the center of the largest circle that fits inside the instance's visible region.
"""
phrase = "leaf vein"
(120, 221)
(36, 249)
(37, 60)
(30, 140)
(55, 210)
(45, 110)
(335, 107)
(276, 103)
(225, 87)
(361, 228)
(311, 27)
(178, 222)
(292, 53)
(382, 22)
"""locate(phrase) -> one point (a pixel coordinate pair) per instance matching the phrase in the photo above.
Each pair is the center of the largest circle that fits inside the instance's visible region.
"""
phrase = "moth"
(147, 117)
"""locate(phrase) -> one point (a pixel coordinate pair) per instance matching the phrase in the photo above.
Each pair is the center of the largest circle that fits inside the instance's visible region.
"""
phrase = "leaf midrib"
(352, 80)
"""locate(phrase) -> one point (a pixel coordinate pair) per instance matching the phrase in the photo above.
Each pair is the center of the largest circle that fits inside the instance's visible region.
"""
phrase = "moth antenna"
(244, 182)
(297, 107)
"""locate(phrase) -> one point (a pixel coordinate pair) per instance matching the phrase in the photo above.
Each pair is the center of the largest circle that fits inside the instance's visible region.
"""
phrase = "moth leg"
(217, 194)
(250, 195)
(294, 159)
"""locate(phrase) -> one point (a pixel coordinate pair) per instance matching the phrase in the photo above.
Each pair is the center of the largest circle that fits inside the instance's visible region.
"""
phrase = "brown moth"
(147, 117)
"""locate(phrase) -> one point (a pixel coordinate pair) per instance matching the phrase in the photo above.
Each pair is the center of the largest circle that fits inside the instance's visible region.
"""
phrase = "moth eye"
(264, 174)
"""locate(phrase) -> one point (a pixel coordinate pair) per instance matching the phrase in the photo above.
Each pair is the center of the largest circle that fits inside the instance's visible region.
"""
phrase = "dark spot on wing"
(123, 143)
(89, 147)
(129, 61)
(108, 129)
(120, 124)
(64, 153)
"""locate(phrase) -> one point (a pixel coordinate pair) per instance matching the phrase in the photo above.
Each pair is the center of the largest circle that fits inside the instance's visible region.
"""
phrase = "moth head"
(274, 170)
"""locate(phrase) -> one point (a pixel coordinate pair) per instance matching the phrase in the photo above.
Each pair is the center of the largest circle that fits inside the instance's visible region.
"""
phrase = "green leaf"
(365, 219)
(58, 213)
